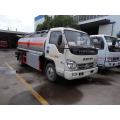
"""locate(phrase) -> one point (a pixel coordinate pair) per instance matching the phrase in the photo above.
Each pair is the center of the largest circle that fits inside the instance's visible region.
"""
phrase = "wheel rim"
(50, 73)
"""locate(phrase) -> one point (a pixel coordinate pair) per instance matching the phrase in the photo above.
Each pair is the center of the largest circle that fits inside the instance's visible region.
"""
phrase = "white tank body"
(35, 44)
(23, 43)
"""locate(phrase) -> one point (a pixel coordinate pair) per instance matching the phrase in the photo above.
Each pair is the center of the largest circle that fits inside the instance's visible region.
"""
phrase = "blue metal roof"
(39, 17)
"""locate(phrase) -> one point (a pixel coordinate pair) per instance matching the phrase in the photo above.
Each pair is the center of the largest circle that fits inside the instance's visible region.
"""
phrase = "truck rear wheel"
(51, 72)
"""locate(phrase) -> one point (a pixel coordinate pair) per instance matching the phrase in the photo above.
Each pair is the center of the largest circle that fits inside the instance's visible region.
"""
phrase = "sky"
(20, 14)
(13, 23)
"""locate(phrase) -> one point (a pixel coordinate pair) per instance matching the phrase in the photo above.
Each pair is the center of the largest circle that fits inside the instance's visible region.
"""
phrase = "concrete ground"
(34, 89)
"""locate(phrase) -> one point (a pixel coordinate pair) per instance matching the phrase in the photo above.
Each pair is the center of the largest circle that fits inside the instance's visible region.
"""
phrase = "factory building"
(99, 24)
(8, 39)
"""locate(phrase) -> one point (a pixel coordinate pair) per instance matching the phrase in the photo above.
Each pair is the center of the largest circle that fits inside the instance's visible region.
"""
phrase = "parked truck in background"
(108, 50)
(118, 41)
(64, 52)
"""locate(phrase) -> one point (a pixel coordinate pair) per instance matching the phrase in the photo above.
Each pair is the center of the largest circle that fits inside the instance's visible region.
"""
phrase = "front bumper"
(111, 64)
(70, 75)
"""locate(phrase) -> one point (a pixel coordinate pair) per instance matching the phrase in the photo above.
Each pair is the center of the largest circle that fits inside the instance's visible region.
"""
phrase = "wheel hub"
(50, 73)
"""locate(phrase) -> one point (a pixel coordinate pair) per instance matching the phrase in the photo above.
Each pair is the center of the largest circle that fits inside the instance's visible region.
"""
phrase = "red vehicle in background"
(3, 44)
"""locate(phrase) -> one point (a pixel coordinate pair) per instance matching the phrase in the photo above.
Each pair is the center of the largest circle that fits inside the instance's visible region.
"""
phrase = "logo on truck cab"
(86, 59)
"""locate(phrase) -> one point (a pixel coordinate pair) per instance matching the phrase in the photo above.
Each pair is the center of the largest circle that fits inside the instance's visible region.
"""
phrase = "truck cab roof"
(65, 28)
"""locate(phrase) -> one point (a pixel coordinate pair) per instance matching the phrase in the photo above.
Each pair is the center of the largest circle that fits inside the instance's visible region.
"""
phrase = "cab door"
(55, 51)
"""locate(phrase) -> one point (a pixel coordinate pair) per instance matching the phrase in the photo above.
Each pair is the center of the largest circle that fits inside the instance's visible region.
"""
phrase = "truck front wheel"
(50, 72)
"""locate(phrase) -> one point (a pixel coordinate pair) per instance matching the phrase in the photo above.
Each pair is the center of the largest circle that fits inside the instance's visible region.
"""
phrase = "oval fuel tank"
(23, 43)
(36, 44)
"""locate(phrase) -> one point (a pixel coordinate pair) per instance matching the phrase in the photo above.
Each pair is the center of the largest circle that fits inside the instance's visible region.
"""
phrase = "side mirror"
(59, 42)
(102, 45)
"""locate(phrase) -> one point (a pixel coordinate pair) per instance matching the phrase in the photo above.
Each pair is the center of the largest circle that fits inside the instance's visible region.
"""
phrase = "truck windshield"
(78, 39)
(112, 44)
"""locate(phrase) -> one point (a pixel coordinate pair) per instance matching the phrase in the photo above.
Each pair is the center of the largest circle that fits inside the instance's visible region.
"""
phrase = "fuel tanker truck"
(64, 52)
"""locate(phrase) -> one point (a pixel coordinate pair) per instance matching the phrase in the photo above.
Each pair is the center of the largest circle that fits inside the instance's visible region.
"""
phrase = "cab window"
(98, 42)
(54, 37)
(54, 40)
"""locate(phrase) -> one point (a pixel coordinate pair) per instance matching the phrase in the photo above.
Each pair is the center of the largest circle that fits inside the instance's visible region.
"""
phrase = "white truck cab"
(64, 52)
(108, 50)
(118, 41)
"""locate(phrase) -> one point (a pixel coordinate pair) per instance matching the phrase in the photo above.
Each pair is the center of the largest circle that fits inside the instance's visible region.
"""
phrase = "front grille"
(115, 59)
(85, 66)
(83, 51)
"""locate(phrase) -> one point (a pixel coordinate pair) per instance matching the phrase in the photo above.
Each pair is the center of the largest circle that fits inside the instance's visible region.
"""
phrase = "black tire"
(51, 72)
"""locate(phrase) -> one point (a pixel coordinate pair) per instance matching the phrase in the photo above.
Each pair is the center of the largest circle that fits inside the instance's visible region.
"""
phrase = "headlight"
(108, 59)
(71, 64)
(94, 64)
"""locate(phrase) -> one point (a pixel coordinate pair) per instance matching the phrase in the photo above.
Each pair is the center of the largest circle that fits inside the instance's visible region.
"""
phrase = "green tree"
(64, 21)
(58, 21)
(45, 25)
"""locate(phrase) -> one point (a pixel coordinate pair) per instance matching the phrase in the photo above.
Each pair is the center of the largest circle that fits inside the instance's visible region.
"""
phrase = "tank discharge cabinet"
(64, 52)
(108, 50)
